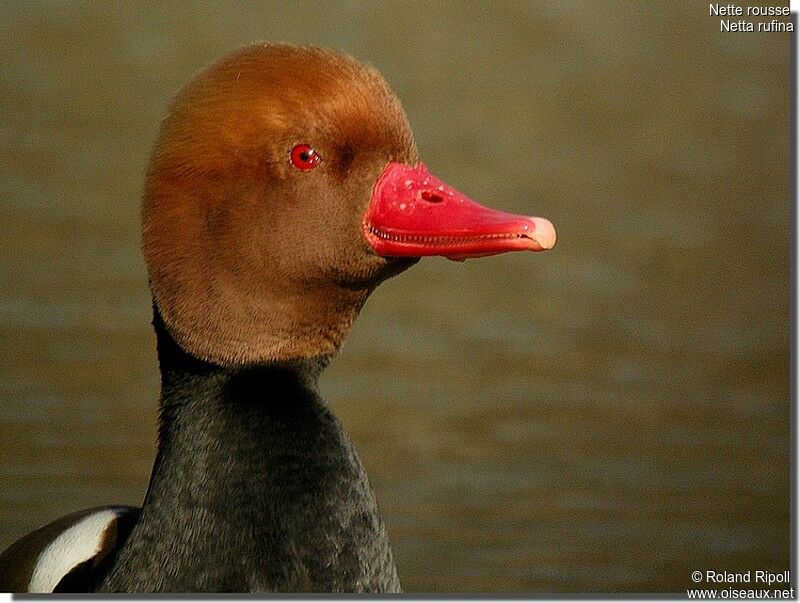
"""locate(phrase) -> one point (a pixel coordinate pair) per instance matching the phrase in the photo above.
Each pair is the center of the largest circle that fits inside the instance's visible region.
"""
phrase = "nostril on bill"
(431, 197)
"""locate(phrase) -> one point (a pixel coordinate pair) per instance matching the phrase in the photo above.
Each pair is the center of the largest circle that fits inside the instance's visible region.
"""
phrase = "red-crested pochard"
(285, 185)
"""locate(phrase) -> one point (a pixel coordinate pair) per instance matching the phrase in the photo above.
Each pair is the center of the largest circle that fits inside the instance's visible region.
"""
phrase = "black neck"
(256, 487)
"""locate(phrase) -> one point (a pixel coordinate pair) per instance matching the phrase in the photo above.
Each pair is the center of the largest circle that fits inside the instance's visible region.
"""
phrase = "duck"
(284, 186)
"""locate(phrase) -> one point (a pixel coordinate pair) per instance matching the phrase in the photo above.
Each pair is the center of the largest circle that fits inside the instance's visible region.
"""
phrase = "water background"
(609, 416)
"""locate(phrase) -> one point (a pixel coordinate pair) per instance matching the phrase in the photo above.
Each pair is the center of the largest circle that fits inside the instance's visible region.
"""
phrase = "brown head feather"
(250, 259)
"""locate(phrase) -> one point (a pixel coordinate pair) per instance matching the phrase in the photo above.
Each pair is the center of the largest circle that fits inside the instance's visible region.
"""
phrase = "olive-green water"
(609, 416)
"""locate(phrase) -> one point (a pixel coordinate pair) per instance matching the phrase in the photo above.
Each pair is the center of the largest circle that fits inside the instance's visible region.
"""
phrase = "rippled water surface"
(608, 416)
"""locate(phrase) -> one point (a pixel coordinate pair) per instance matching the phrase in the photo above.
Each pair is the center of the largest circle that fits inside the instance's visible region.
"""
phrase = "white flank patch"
(73, 546)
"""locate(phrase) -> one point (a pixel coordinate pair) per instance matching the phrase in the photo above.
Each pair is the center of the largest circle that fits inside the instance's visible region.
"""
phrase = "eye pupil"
(304, 157)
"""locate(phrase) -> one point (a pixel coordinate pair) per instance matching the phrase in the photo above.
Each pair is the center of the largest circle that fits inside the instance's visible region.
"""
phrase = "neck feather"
(256, 487)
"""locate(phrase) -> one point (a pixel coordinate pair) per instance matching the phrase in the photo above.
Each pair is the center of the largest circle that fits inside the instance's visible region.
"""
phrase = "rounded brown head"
(252, 258)
(284, 186)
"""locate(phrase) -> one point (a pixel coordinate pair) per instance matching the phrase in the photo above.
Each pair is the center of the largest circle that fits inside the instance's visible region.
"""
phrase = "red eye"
(304, 157)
